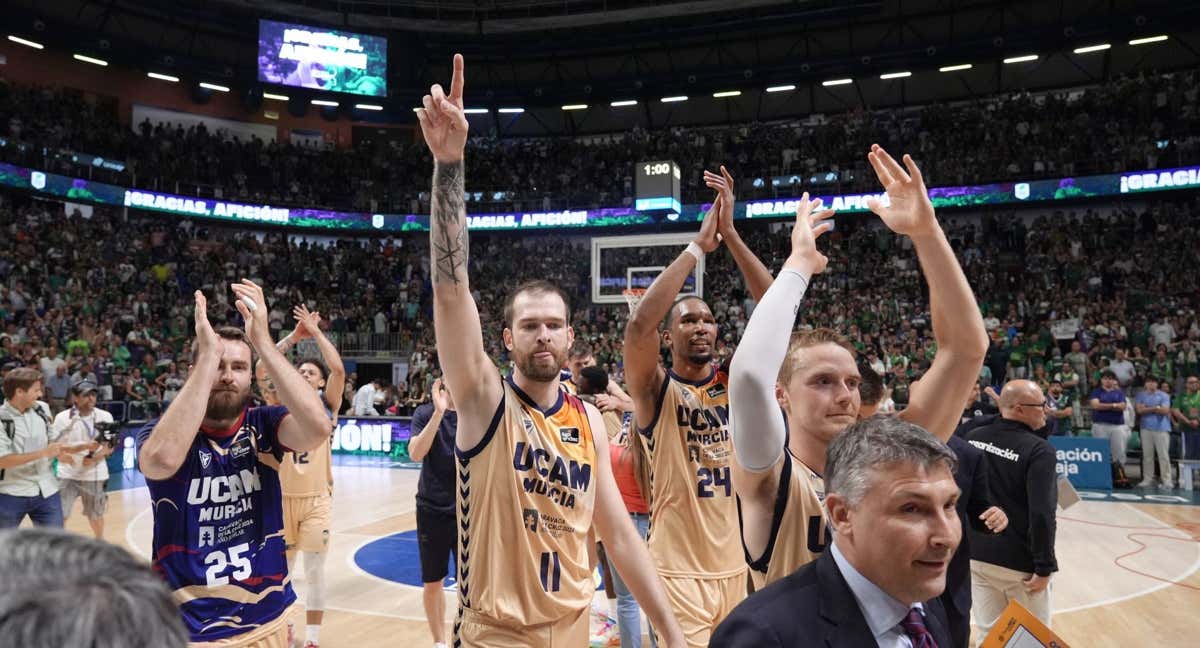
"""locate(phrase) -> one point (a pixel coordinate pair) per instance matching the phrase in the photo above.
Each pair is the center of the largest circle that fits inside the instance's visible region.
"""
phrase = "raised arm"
(757, 276)
(468, 370)
(936, 400)
(643, 373)
(756, 424)
(428, 424)
(163, 452)
(335, 382)
(307, 426)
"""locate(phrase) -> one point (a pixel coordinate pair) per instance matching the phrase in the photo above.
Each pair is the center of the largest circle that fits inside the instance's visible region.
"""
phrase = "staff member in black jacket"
(1016, 564)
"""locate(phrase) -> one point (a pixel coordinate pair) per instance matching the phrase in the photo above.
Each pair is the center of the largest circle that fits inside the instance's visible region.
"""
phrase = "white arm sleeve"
(755, 421)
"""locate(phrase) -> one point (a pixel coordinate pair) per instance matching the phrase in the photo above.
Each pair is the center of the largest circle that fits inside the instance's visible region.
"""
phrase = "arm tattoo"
(448, 223)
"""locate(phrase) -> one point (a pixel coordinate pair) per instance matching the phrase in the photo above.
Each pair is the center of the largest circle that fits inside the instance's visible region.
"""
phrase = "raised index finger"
(456, 82)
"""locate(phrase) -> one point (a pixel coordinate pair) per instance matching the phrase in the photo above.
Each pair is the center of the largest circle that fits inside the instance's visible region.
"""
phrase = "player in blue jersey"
(217, 502)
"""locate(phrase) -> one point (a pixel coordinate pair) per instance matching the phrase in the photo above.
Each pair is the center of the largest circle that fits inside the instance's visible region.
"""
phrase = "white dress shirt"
(882, 612)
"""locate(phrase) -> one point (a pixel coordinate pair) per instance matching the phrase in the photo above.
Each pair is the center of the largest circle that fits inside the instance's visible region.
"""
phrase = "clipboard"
(1019, 628)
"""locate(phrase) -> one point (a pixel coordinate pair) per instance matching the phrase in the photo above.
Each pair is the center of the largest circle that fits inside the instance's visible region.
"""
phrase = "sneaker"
(607, 637)
(1146, 484)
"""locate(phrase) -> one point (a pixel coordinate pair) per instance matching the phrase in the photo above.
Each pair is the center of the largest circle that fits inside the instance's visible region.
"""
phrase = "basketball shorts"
(306, 523)
(95, 499)
(271, 635)
(437, 540)
(478, 631)
(701, 604)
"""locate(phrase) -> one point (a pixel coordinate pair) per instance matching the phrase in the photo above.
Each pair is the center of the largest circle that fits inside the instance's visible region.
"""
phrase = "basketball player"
(307, 477)
(681, 414)
(779, 466)
(218, 510)
(533, 466)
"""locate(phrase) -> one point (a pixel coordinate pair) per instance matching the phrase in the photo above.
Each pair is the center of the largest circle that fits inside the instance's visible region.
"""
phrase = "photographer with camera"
(85, 423)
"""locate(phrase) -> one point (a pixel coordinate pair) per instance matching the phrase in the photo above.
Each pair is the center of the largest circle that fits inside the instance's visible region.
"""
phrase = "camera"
(108, 433)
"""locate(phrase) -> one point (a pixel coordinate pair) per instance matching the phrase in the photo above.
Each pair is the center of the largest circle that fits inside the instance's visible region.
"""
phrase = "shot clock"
(656, 187)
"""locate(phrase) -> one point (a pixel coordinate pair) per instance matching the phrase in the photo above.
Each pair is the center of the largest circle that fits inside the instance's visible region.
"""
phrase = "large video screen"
(322, 59)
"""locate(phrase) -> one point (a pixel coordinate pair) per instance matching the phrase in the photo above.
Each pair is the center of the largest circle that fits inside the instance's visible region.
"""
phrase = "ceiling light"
(324, 102)
(511, 111)
(727, 93)
(837, 82)
(213, 86)
(955, 68)
(673, 99)
(475, 111)
(623, 102)
(576, 107)
(163, 77)
(88, 59)
(29, 43)
(368, 107)
(1022, 59)
(782, 88)
(895, 75)
(276, 97)
(1137, 41)
(1092, 48)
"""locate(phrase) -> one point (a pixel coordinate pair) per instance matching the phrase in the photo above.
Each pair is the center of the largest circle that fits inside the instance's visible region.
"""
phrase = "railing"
(384, 345)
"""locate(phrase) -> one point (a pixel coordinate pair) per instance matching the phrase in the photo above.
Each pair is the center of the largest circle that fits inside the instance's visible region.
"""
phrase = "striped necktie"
(914, 627)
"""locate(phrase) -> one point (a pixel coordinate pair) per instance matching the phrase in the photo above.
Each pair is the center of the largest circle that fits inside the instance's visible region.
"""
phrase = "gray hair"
(61, 589)
(874, 443)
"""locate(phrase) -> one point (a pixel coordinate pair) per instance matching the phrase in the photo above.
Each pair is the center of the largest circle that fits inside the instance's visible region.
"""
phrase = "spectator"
(58, 387)
(60, 589)
(1154, 408)
(1123, 369)
(1108, 418)
(1186, 413)
(364, 398)
(1060, 409)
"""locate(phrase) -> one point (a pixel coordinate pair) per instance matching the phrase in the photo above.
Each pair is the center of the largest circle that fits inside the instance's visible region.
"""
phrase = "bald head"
(1023, 400)
(1017, 391)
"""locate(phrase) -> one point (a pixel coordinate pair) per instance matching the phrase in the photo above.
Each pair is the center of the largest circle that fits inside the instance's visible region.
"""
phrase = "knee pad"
(314, 571)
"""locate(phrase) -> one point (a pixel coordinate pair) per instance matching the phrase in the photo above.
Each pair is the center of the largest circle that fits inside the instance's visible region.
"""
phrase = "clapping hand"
(805, 256)
(910, 211)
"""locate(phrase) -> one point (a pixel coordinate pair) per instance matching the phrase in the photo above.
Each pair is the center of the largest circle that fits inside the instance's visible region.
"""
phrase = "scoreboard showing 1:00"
(656, 186)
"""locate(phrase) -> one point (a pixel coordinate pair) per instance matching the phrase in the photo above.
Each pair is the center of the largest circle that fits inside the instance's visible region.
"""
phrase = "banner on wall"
(1006, 193)
(1085, 461)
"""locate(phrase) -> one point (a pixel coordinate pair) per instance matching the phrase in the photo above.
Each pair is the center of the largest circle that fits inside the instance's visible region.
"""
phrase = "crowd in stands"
(108, 297)
(1130, 123)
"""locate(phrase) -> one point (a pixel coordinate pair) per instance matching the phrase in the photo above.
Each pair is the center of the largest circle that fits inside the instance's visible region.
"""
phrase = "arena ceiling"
(542, 54)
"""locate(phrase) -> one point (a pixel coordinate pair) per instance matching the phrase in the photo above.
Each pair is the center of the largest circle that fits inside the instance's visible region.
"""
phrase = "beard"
(540, 369)
(225, 404)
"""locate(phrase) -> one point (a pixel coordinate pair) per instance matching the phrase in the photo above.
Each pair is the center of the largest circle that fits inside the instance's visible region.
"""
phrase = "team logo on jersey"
(205, 459)
(529, 519)
(569, 435)
(207, 537)
(528, 423)
(716, 390)
(242, 448)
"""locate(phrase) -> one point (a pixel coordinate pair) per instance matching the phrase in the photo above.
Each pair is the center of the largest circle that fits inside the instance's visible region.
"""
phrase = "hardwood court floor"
(1128, 569)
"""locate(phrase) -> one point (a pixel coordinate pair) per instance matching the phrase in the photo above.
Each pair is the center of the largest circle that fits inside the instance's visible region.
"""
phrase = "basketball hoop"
(633, 297)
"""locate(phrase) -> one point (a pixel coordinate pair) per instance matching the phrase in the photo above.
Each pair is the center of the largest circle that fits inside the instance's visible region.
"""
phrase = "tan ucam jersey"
(307, 474)
(693, 513)
(798, 530)
(526, 494)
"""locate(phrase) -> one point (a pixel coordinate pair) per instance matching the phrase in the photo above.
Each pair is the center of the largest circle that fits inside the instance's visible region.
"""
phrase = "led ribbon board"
(1005, 193)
